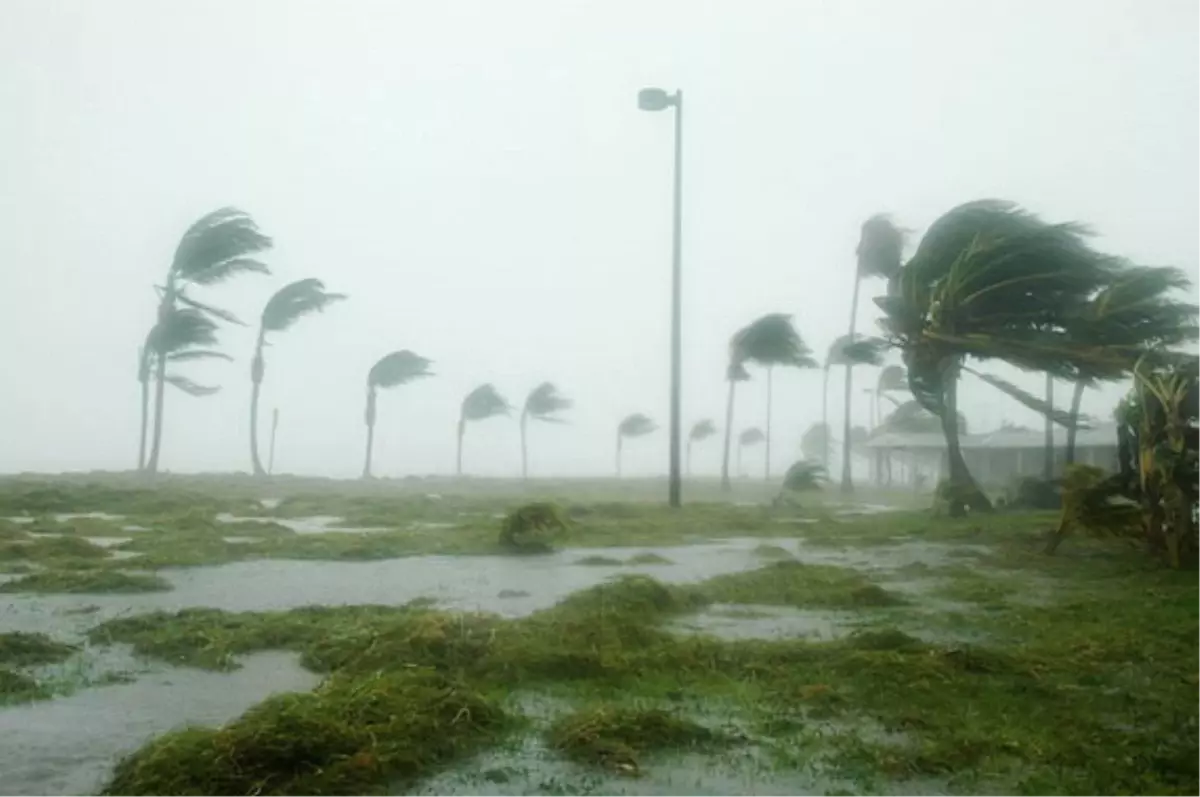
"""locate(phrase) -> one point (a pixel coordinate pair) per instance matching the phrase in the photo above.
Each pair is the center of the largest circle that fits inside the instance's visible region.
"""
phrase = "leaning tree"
(701, 431)
(480, 404)
(397, 368)
(632, 426)
(748, 438)
(287, 306)
(544, 403)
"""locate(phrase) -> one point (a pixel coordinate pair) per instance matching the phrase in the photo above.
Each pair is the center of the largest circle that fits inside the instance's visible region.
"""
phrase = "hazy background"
(476, 175)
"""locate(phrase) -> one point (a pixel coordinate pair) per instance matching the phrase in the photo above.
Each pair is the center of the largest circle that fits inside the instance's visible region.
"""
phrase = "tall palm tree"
(892, 379)
(220, 245)
(480, 404)
(182, 335)
(990, 281)
(701, 430)
(847, 351)
(289, 304)
(543, 403)
(736, 372)
(769, 341)
(397, 368)
(748, 437)
(635, 425)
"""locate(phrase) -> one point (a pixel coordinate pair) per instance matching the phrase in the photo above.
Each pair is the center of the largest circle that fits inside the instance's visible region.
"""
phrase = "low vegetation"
(22, 649)
(87, 581)
(617, 738)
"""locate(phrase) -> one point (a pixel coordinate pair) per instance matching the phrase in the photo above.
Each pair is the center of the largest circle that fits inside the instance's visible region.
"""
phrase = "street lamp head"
(654, 100)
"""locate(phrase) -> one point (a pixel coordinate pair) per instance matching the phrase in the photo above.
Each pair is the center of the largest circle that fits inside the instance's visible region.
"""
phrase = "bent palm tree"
(289, 304)
(635, 425)
(848, 351)
(183, 335)
(814, 444)
(701, 430)
(736, 372)
(543, 403)
(215, 248)
(397, 368)
(480, 404)
(749, 437)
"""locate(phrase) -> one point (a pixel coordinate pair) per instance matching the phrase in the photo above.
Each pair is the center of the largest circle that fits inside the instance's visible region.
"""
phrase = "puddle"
(864, 509)
(315, 524)
(431, 526)
(69, 745)
(65, 516)
(242, 540)
(108, 542)
(270, 503)
(735, 621)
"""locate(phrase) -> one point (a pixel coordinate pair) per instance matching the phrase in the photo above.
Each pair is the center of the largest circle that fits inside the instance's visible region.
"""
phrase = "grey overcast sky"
(477, 177)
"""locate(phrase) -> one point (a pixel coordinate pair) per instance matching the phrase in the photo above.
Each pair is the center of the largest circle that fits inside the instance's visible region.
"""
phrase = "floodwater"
(68, 745)
(314, 524)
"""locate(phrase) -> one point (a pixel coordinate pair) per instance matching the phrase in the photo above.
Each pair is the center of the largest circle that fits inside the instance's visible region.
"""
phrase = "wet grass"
(17, 687)
(22, 649)
(792, 583)
(86, 581)
(617, 738)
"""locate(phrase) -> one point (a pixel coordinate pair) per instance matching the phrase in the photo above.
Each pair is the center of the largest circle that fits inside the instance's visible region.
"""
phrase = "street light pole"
(658, 100)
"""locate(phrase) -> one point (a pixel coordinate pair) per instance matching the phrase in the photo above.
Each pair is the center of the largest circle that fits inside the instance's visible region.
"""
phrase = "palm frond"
(892, 378)
(191, 355)
(207, 309)
(179, 329)
(398, 368)
(880, 247)
(484, 402)
(636, 425)
(751, 437)
(544, 402)
(190, 387)
(856, 350)
(804, 476)
(771, 340)
(1039, 405)
(294, 301)
(218, 246)
(911, 418)
(702, 430)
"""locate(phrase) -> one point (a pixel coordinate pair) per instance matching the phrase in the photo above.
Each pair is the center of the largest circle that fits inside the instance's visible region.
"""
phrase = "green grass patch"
(598, 560)
(17, 687)
(648, 559)
(87, 581)
(617, 737)
(791, 583)
(22, 649)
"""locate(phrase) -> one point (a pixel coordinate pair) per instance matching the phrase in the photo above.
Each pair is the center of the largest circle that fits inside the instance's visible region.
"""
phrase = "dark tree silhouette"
(397, 368)
(480, 404)
(543, 403)
(701, 431)
(635, 425)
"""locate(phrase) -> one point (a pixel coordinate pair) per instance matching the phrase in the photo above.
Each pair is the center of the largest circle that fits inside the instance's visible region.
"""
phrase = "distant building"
(997, 457)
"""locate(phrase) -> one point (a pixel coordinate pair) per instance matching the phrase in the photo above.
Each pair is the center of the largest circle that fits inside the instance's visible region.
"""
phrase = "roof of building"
(1101, 436)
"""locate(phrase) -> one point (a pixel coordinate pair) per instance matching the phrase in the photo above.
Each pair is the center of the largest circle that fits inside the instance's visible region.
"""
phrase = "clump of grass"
(22, 649)
(87, 581)
(532, 528)
(53, 551)
(648, 559)
(773, 552)
(596, 560)
(350, 736)
(616, 738)
(792, 583)
(16, 687)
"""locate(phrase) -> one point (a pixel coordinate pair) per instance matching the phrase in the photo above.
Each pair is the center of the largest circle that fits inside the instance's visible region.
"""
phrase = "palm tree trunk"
(524, 451)
(688, 458)
(369, 416)
(256, 376)
(271, 452)
(965, 492)
(462, 428)
(145, 422)
(1072, 430)
(725, 485)
(767, 458)
(825, 418)
(618, 455)
(165, 307)
(1048, 462)
(847, 481)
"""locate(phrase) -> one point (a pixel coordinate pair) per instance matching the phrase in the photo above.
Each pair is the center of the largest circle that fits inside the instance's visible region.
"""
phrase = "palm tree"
(749, 437)
(848, 351)
(480, 404)
(289, 304)
(543, 403)
(635, 425)
(701, 430)
(814, 444)
(736, 372)
(768, 341)
(397, 368)
(892, 379)
(183, 335)
(218, 246)
(991, 281)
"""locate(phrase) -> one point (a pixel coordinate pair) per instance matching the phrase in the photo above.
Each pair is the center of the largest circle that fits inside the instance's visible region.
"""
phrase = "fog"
(478, 178)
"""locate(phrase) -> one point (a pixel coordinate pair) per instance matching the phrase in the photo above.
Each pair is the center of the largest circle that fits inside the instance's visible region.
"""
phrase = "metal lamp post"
(654, 99)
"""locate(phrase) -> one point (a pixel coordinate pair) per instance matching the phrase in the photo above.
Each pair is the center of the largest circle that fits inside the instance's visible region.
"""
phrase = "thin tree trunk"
(767, 458)
(369, 417)
(271, 452)
(847, 480)
(739, 461)
(725, 485)
(1048, 461)
(618, 455)
(257, 366)
(462, 428)
(1072, 430)
(965, 492)
(145, 422)
(825, 418)
(524, 451)
(165, 307)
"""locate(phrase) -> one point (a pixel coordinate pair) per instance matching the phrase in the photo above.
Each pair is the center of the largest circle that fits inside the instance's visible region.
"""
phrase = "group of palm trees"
(987, 281)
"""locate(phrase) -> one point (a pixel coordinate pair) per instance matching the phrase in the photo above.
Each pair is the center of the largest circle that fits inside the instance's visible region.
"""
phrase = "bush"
(532, 528)
(1036, 493)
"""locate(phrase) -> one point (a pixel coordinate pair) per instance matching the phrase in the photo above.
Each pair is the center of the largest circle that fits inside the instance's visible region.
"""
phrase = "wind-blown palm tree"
(480, 404)
(848, 351)
(183, 335)
(736, 372)
(748, 437)
(892, 379)
(635, 425)
(991, 281)
(397, 368)
(701, 431)
(814, 444)
(218, 246)
(543, 403)
(289, 304)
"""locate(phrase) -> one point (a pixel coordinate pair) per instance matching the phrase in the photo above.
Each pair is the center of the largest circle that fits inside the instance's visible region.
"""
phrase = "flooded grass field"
(229, 637)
